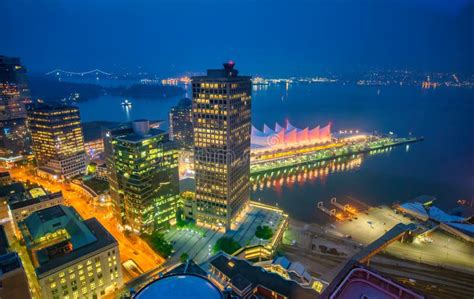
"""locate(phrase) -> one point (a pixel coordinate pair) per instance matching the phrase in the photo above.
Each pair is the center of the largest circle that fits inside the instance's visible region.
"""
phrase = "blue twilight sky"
(268, 37)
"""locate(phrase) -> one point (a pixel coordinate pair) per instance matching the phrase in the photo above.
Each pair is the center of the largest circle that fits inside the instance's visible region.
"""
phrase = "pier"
(346, 208)
(331, 212)
(262, 167)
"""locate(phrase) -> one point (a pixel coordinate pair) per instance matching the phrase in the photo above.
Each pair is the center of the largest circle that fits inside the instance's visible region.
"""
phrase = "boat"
(127, 104)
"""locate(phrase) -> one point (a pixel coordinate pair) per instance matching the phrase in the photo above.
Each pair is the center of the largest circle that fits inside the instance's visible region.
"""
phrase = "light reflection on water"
(301, 174)
(440, 165)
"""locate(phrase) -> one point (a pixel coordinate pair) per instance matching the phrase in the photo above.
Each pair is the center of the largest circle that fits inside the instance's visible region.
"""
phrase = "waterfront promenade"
(261, 167)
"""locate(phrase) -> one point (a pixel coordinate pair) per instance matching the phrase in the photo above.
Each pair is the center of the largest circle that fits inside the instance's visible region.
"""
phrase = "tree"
(158, 242)
(264, 232)
(184, 257)
(227, 244)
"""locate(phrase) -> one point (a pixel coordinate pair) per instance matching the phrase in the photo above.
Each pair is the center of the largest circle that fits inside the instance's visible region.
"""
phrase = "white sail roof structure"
(267, 129)
(289, 135)
(279, 128)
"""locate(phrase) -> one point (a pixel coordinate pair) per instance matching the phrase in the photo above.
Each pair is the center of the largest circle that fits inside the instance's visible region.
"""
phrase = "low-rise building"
(9, 193)
(5, 178)
(187, 280)
(293, 270)
(423, 210)
(72, 257)
(13, 280)
(357, 281)
(258, 214)
(249, 281)
(33, 199)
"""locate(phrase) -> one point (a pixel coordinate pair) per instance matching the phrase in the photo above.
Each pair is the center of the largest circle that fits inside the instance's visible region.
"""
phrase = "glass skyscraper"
(222, 126)
(142, 168)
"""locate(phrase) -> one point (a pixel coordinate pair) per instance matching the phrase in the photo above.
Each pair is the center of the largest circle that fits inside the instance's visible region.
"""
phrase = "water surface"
(442, 165)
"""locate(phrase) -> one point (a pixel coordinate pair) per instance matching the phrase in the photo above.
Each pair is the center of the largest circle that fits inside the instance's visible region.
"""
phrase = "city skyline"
(236, 149)
(312, 36)
(139, 164)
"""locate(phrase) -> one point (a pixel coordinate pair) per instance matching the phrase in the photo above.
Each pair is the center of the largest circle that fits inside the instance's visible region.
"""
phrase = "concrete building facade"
(72, 257)
(58, 142)
(222, 127)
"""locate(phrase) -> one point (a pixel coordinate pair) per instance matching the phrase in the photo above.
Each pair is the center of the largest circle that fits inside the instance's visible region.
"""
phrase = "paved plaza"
(198, 243)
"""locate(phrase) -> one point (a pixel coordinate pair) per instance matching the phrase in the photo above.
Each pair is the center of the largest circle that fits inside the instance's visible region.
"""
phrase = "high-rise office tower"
(181, 125)
(14, 92)
(221, 121)
(143, 175)
(58, 142)
(116, 195)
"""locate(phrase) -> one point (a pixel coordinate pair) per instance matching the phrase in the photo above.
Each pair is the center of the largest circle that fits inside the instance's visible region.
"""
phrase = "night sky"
(275, 37)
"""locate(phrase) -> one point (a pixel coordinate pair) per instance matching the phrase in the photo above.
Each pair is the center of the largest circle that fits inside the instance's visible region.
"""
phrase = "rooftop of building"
(9, 262)
(50, 107)
(4, 174)
(344, 270)
(228, 73)
(189, 267)
(37, 192)
(180, 286)
(465, 228)
(242, 272)
(425, 199)
(93, 130)
(12, 189)
(361, 282)
(85, 236)
(3, 241)
(135, 137)
(52, 219)
(32, 196)
(295, 270)
(422, 208)
(102, 239)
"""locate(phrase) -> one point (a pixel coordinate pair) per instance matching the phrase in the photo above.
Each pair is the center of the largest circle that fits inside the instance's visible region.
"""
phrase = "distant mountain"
(49, 89)
(147, 91)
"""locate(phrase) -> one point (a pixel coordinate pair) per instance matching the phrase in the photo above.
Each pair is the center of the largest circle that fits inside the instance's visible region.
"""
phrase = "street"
(131, 247)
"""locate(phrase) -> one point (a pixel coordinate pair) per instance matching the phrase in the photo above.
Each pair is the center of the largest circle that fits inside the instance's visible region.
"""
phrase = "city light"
(131, 170)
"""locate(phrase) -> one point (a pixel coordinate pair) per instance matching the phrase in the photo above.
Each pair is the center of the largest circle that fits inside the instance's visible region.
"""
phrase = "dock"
(346, 208)
(331, 212)
(263, 167)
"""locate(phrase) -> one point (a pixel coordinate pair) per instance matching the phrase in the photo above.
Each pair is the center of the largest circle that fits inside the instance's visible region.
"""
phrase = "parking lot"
(442, 249)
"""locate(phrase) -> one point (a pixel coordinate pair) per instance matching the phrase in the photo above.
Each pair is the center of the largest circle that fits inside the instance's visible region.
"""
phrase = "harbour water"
(442, 165)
